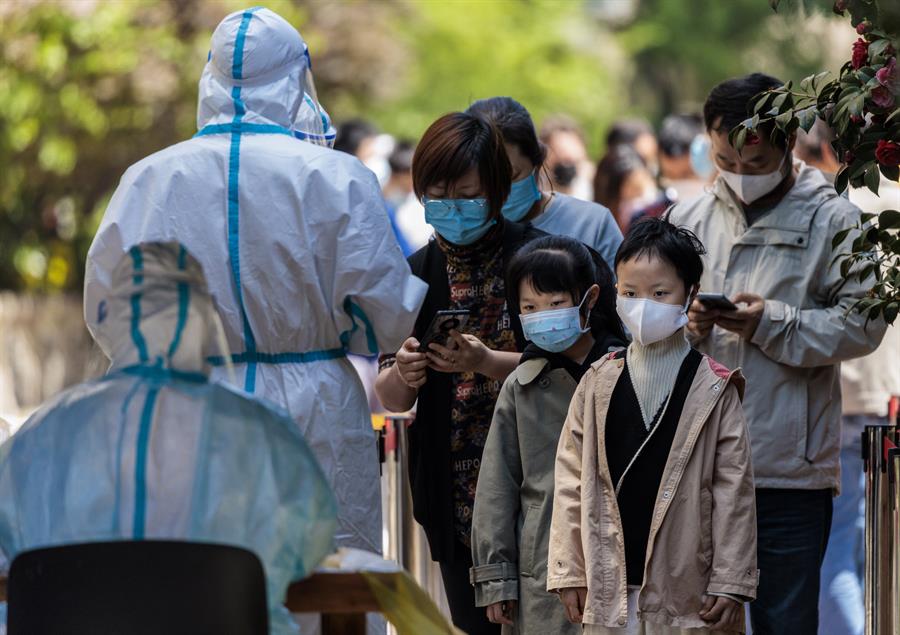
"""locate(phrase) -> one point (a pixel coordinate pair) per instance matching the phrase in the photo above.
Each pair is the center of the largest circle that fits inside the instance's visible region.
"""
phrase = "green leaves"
(874, 256)
(889, 219)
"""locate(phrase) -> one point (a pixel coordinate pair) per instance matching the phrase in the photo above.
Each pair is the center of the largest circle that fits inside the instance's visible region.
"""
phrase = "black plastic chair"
(137, 587)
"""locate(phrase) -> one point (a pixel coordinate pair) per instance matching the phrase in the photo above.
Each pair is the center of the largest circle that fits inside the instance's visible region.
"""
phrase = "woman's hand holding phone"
(411, 364)
(463, 354)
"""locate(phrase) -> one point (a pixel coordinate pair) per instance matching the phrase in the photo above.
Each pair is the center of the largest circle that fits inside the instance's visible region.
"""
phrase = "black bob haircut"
(515, 124)
(678, 246)
(731, 102)
(554, 264)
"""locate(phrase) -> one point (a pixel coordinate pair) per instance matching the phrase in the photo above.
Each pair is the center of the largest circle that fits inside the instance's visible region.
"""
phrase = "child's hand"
(502, 612)
(573, 599)
(722, 613)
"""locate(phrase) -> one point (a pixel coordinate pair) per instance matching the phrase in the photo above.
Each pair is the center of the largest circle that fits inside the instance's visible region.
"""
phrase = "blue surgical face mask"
(522, 197)
(461, 221)
(555, 330)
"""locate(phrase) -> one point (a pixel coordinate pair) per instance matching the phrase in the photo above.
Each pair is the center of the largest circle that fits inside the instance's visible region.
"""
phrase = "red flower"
(849, 157)
(882, 97)
(840, 6)
(863, 27)
(887, 153)
(752, 139)
(860, 54)
(888, 76)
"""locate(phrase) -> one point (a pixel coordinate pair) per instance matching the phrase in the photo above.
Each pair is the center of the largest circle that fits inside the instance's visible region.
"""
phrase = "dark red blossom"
(860, 54)
(887, 153)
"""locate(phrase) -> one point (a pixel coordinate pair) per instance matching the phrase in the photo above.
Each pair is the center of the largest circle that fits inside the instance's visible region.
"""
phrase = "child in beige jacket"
(654, 519)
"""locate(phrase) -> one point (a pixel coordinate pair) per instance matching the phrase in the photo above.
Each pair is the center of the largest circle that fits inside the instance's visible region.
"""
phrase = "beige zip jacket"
(703, 533)
(792, 362)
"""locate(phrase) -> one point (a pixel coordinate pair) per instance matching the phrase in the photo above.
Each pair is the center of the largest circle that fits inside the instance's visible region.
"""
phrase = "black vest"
(629, 443)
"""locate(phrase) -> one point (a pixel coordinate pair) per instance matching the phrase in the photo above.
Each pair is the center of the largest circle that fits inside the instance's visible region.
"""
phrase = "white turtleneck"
(654, 369)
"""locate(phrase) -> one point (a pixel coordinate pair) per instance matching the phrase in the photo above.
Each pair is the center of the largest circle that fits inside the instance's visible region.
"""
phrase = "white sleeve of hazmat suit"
(365, 289)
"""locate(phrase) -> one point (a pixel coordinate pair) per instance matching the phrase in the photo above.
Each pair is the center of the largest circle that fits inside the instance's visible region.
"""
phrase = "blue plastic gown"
(156, 450)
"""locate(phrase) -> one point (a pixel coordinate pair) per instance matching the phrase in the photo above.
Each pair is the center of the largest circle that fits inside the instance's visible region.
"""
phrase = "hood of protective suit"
(257, 72)
(159, 311)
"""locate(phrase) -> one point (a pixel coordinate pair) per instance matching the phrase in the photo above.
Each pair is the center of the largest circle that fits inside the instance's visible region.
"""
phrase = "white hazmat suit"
(156, 451)
(296, 244)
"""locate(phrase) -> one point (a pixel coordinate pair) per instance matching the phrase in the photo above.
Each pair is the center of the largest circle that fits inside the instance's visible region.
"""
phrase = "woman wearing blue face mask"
(462, 174)
(568, 311)
(552, 212)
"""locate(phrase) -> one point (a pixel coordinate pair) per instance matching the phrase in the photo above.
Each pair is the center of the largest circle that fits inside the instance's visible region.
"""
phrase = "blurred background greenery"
(88, 87)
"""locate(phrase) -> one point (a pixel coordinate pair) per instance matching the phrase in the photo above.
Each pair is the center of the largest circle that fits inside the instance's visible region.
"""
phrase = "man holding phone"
(767, 223)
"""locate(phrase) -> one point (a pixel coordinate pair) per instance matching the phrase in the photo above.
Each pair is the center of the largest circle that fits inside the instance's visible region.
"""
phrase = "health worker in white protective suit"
(296, 244)
(155, 450)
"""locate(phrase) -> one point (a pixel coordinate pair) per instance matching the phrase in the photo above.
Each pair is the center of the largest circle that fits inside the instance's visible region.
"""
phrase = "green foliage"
(682, 49)
(545, 54)
(862, 107)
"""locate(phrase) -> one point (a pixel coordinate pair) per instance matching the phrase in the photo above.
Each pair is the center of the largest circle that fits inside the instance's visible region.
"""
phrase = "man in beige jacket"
(768, 223)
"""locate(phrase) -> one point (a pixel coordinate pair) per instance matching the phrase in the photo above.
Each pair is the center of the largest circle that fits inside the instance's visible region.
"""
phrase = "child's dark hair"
(562, 264)
(678, 246)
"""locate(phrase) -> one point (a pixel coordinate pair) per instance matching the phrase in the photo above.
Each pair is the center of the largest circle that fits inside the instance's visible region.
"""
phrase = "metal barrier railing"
(404, 539)
(881, 462)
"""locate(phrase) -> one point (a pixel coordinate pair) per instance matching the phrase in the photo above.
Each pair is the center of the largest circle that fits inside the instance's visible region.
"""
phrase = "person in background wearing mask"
(552, 212)
(407, 213)
(625, 185)
(295, 242)
(654, 528)
(676, 136)
(768, 223)
(867, 384)
(637, 134)
(462, 174)
(567, 160)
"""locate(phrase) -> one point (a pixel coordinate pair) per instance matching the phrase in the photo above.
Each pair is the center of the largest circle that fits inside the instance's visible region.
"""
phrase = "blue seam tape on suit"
(160, 374)
(355, 311)
(242, 128)
(184, 299)
(140, 465)
(233, 198)
(138, 278)
(280, 358)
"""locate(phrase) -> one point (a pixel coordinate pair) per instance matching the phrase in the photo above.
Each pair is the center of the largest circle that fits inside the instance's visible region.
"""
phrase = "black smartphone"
(716, 301)
(438, 331)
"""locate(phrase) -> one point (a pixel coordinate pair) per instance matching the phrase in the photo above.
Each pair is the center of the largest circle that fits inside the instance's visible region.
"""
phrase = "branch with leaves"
(862, 107)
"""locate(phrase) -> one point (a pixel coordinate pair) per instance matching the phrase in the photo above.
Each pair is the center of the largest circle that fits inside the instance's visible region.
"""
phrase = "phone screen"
(439, 330)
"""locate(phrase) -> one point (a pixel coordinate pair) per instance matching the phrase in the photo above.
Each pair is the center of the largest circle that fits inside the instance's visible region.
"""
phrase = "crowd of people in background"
(641, 172)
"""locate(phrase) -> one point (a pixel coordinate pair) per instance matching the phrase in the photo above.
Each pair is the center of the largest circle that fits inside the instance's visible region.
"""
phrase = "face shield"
(312, 123)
